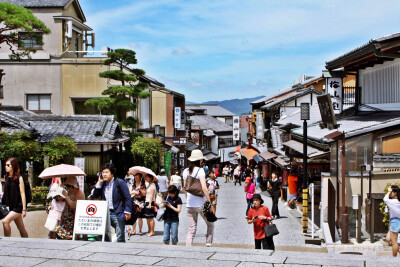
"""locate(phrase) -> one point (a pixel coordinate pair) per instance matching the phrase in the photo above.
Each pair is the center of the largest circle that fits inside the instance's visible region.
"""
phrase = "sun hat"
(248, 179)
(196, 155)
(55, 190)
(258, 196)
(72, 181)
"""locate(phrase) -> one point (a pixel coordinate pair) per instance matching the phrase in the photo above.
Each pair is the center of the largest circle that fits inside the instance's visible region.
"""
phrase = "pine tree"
(17, 18)
(122, 98)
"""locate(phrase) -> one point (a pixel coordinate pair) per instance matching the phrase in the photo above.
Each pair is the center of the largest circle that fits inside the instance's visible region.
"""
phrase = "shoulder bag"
(161, 212)
(193, 185)
(271, 230)
(3, 211)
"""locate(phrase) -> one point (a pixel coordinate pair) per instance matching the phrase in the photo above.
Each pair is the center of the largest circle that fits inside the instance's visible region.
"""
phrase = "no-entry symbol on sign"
(91, 210)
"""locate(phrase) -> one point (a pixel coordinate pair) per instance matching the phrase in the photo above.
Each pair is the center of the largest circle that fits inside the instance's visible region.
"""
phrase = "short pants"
(292, 196)
(213, 201)
(395, 225)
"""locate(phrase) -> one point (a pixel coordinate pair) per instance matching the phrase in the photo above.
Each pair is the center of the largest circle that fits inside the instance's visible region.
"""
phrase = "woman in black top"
(275, 192)
(14, 198)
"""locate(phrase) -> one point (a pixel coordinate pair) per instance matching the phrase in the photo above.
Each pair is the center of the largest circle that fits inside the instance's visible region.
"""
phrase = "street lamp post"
(305, 116)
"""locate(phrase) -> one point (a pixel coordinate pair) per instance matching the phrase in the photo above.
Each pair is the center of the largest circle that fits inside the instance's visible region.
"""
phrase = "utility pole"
(305, 115)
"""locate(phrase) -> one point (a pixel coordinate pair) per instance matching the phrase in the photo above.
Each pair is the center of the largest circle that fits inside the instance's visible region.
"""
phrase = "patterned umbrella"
(61, 170)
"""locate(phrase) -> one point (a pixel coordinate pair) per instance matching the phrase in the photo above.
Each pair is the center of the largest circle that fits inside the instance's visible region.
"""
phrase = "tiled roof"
(280, 92)
(361, 50)
(83, 129)
(362, 123)
(209, 122)
(299, 93)
(38, 3)
(211, 109)
(294, 118)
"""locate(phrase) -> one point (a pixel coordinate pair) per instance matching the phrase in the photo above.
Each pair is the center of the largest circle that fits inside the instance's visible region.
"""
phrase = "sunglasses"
(8, 165)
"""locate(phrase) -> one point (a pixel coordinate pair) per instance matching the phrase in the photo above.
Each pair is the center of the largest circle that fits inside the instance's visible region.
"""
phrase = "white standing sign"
(335, 86)
(236, 128)
(92, 217)
(177, 118)
(80, 163)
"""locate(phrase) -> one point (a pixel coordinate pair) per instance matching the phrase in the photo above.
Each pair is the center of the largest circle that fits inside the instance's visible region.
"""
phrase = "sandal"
(140, 233)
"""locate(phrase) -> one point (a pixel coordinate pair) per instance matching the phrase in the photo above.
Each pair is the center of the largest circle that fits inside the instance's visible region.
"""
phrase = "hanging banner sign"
(92, 217)
(167, 161)
(260, 126)
(236, 128)
(334, 88)
(80, 163)
(177, 118)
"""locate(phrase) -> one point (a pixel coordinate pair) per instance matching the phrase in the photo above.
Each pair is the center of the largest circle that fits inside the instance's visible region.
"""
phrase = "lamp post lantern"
(305, 116)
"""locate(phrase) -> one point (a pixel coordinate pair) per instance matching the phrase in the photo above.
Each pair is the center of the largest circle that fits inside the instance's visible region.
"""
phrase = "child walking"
(55, 210)
(173, 204)
(259, 216)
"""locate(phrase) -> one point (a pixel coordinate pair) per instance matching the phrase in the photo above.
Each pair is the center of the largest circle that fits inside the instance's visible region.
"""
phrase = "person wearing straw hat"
(65, 228)
(118, 198)
(194, 204)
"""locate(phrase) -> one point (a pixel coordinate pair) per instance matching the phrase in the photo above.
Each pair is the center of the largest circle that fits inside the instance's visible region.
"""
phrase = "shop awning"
(211, 156)
(281, 162)
(248, 153)
(297, 146)
(268, 155)
(257, 158)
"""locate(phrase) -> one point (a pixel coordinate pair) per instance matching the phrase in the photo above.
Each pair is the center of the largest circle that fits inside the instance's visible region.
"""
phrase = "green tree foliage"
(122, 97)
(19, 145)
(146, 152)
(59, 149)
(17, 18)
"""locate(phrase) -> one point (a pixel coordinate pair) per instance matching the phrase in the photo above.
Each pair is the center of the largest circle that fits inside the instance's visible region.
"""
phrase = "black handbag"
(271, 230)
(3, 211)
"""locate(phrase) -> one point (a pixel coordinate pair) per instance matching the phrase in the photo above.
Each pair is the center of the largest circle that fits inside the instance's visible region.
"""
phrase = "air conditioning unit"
(68, 31)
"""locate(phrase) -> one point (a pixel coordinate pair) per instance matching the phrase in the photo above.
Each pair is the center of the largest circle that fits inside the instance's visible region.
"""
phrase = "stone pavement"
(231, 229)
(43, 252)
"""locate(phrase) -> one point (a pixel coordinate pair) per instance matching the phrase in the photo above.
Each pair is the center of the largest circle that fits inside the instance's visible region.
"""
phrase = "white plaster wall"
(22, 79)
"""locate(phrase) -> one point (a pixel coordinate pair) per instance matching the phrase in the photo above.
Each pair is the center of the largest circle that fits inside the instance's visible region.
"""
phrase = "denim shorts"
(395, 225)
(292, 196)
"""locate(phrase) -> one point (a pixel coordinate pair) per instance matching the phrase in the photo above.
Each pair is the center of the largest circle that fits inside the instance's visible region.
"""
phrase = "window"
(38, 102)
(30, 40)
(1, 92)
(81, 109)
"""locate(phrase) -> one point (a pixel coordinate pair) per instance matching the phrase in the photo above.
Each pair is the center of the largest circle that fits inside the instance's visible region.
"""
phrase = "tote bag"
(193, 185)
(271, 230)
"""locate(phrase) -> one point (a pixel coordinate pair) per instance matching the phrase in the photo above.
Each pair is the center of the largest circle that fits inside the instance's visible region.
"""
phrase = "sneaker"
(166, 243)
(208, 244)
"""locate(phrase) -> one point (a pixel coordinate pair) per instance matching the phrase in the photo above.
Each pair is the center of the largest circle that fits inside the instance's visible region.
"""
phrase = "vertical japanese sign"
(177, 118)
(236, 128)
(80, 163)
(260, 126)
(182, 159)
(167, 161)
(334, 88)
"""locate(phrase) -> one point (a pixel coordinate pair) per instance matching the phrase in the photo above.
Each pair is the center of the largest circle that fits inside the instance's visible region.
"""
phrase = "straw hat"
(72, 181)
(196, 155)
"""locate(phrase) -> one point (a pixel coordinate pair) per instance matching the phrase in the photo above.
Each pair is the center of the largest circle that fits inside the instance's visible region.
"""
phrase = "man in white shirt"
(163, 183)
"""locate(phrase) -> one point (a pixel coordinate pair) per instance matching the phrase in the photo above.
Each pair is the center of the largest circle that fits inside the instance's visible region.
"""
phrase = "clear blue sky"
(217, 50)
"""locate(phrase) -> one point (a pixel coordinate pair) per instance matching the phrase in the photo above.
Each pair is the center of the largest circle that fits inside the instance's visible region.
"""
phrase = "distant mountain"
(237, 106)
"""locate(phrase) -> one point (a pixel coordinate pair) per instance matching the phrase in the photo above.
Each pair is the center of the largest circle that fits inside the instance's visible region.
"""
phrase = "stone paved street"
(232, 229)
(233, 245)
